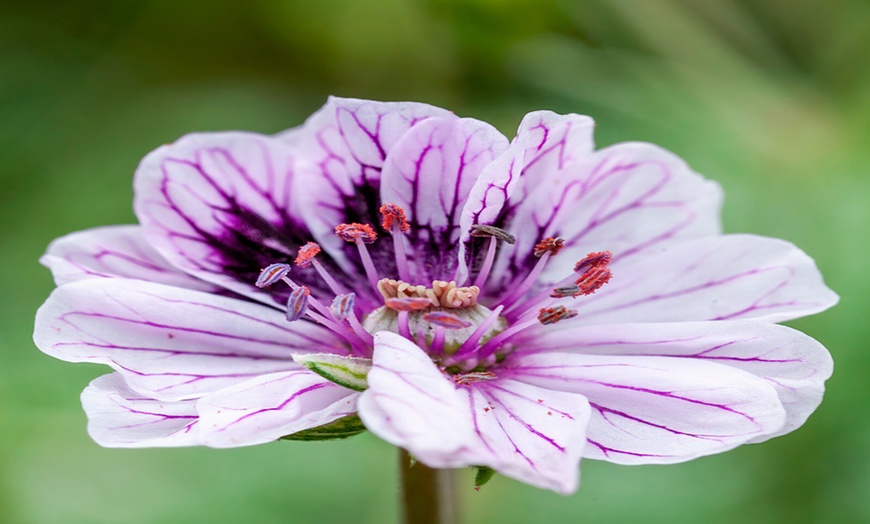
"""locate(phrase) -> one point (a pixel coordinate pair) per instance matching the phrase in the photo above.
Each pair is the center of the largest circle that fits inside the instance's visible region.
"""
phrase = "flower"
(516, 304)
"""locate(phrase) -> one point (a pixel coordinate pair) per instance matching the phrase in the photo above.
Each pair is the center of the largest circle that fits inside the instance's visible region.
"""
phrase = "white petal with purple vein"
(412, 404)
(269, 407)
(220, 206)
(114, 251)
(657, 410)
(532, 434)
(118, 417)
(628, 198)
(429, 173)
(727, 277)
(167, 342)
(793, 363)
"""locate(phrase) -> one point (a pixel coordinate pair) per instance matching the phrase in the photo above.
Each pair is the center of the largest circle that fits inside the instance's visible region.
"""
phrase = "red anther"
(550, 245)
(474, 376)
(394, 215)
(408, 304)
(355, 232)
(593, 260)
(482, 230)
(592, 279)
(306, 253)
(446, 320)
(551, 315)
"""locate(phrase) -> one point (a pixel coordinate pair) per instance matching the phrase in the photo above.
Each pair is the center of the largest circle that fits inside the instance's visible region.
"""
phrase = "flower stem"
(428, 495)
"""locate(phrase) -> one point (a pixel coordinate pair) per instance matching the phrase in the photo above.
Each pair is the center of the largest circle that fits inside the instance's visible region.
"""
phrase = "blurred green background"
(769, 97)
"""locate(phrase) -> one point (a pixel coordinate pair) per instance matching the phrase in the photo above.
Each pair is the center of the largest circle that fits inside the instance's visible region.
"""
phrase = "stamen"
(342, 306)
(437, 345)
(408, 304)
(549, 245)
(551, 315)
(483, 230)
(572, 291)
(356, 232)
(494, 233)
(361, 234)
(446, 320)
(404, 325)
(593, 279)
(528, 282)
(595, 272)
(471, 343)
(306, 254)
(271, 274)
(394, 217)
(593, 260)
(474, 376)
(297, 303)
(395, 222)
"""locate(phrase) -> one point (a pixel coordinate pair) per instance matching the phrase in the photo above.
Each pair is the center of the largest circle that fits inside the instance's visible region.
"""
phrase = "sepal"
(342, 428)
(349, 372)
(482, 475)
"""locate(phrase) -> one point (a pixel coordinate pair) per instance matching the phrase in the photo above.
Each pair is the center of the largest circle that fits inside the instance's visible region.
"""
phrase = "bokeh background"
(769, 97)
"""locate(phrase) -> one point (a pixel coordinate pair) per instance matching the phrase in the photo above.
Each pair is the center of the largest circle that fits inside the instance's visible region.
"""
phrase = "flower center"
(444, 319)
(440, 318)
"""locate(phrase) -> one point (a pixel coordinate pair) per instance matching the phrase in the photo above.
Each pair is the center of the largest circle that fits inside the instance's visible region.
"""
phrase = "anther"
(271, 274)
(408, 303)
(342, 306)
(297, 304)
(595, 272)
(394, 221)
(306, 254)
(474, 376)
(446, 320)
(394, 218)
(356, 232)
(593, 260)
(549, 245)
(572, 291)
(483, 230)
(551, 315)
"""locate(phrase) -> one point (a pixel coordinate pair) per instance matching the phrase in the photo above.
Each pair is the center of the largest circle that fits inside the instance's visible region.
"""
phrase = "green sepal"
(482, 475)
(344, 427)
(349, 372)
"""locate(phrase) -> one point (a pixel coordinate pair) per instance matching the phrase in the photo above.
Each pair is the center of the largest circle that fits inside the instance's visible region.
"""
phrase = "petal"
(628, 198)
(715, 278)
(528, 433)
(221, 206)
(523, 431)
(118, 417)
(793, 363)
(269, 407)
(410, 403)
(657, 410)
(170, 343)
(429, 173)
(114, 251)
(344, 146)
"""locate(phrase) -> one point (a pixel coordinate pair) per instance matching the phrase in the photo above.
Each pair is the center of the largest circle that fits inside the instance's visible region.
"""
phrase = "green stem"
(428, 495)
